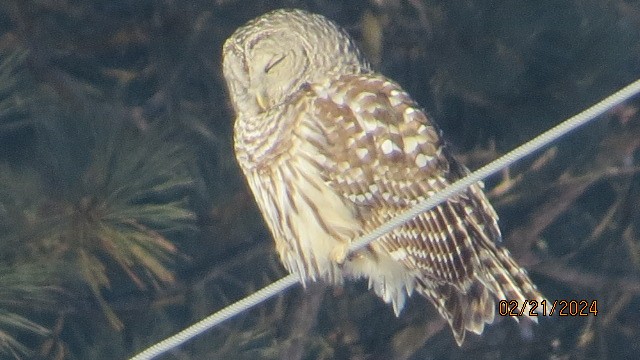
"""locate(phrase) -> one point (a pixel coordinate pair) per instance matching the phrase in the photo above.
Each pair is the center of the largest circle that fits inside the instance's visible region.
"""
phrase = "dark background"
(124, 218)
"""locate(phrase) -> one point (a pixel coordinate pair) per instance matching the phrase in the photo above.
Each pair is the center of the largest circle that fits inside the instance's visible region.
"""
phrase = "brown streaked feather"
(442, 242)
(396, 159)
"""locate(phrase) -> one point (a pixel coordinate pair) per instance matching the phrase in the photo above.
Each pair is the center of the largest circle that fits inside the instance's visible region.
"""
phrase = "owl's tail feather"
(462, 311)
(506, 279)
(498, 278)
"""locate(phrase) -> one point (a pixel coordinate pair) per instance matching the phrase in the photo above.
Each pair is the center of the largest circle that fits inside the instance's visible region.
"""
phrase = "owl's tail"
(497, 278)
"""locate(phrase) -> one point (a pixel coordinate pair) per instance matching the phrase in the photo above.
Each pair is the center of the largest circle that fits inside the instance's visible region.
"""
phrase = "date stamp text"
(548, 308)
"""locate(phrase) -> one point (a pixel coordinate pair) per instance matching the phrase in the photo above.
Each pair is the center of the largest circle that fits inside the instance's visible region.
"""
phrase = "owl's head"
(271, 57)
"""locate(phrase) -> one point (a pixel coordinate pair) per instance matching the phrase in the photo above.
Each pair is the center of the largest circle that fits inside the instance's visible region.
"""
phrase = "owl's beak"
(262, 101)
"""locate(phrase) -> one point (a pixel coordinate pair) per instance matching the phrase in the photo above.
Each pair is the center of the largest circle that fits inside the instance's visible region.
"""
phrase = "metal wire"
(493, 167)
(216, 318)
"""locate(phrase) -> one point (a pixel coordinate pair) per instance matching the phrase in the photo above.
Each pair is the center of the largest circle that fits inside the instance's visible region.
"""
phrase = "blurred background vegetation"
(123, 216)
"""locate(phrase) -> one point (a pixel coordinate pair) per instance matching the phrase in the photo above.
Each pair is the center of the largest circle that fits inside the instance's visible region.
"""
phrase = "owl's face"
(263, 70)
(267, 60)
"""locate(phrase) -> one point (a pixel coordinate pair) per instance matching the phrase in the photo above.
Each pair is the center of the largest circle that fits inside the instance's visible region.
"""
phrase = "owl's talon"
(339, 254)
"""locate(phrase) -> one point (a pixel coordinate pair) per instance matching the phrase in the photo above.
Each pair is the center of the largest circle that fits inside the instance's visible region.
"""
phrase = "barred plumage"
(331, 150)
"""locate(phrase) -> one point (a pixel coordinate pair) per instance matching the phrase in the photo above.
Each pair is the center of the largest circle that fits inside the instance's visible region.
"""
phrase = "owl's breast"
(261, 140)
(311, 224)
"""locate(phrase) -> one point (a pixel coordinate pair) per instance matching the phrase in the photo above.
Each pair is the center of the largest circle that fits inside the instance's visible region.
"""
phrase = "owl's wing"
(384, 155)
(381, 152)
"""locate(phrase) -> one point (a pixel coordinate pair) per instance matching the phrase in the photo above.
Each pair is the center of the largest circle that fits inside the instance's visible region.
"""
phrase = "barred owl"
(331, 150)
